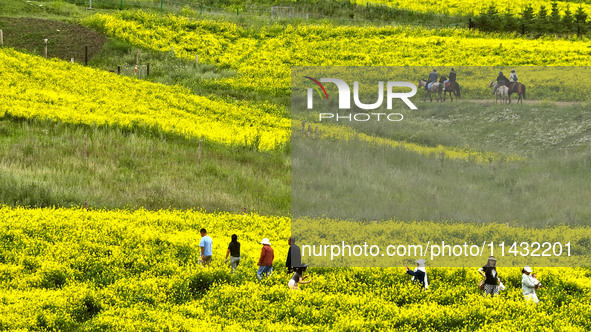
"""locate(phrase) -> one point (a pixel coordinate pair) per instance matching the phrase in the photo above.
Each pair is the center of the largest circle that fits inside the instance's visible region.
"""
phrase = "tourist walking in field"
(298, 277)
(294, 256)
(205, 245)
(419, 274)
(234, 252)
(529, 284)
(266, 260)
(490, 284)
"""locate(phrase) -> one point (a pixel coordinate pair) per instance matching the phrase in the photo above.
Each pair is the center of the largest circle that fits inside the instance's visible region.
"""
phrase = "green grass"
(166, 68)
(43, 164)
(364, 181)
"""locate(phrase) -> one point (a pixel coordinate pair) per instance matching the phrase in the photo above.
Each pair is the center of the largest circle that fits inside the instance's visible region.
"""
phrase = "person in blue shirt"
(205, 245)
(419, 274)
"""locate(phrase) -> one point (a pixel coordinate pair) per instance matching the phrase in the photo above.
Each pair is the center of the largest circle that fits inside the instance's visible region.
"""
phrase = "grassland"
(135, 265)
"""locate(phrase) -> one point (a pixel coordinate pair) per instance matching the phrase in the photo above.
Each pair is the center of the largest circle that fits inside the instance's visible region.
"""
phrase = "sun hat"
(527, 269)
(421, 262)
(265, 241)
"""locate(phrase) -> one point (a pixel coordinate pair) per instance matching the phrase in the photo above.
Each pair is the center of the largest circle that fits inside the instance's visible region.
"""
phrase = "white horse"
(502, 92)
(436, 87)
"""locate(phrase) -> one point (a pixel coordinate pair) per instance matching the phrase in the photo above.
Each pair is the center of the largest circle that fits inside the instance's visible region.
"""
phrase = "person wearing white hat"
(266, 260)
(528, 285)
(419, 274)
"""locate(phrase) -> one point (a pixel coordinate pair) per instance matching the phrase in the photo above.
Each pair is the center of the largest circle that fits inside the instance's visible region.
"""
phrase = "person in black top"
(294, 256)
(501, 80)
(419, 274)
(491, 279)
(452, 78)
(452, 75)
(234, 252)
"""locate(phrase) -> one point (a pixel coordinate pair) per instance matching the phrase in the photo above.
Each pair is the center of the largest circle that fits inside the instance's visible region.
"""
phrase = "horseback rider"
(452, 78)
(513, 76)
(432, 78)
(501, 80)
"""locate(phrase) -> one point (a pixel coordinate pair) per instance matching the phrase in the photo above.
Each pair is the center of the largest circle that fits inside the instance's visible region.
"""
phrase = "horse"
(435, 88)
(452, 87)
(516, 87)
(502, 92)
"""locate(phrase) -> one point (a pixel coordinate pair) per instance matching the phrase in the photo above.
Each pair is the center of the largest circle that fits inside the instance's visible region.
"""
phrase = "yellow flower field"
(263, 56)
(344, 133)
(33, 87)
(65, 269)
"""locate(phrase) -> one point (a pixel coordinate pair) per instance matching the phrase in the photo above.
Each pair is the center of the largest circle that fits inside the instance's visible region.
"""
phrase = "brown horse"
(436, 87)
(452, 87)
(519, 89)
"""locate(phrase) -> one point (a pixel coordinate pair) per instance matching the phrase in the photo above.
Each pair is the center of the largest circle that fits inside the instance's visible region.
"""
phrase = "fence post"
(148, 69)
(470, 23)
(85, 150)
(309, 129)
(86, 55)
(45, 50)
(121, 5)
(1, 38)
(237, 9)
(523, 29)
(161, 2)
(197, 59)
(199, 155)
(118, 70)
(85, 205)
(72, 60)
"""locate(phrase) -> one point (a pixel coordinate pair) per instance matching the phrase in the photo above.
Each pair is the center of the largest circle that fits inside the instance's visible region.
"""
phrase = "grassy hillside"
(130, 263)
(43, 164)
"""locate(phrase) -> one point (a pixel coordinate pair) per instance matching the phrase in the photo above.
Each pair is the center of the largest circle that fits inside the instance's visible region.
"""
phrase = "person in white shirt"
(529, 285)
(513, 76)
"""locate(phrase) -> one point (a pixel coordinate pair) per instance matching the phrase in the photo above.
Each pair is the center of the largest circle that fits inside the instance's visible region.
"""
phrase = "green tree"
(580, 19)
(494, 19)
(527, 17)
(567, 20)
(554, 18)
(541, 20)
(510, 22)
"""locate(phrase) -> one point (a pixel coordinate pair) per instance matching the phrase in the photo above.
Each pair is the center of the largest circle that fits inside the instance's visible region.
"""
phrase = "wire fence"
(137, 71)
(344, 12)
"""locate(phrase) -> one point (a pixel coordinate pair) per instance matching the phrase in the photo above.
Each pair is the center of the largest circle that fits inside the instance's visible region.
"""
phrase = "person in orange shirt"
(266, 260)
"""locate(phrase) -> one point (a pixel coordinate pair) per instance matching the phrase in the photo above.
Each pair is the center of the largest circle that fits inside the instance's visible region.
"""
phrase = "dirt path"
(65, 41)
(491, 101)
